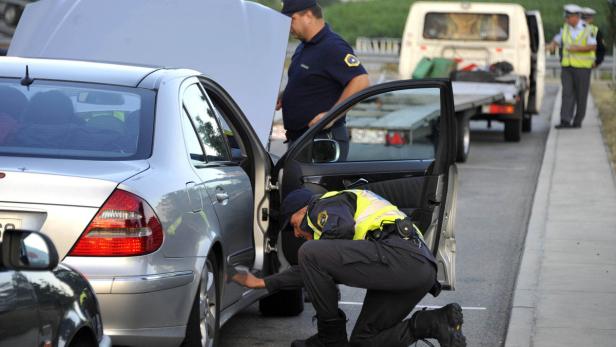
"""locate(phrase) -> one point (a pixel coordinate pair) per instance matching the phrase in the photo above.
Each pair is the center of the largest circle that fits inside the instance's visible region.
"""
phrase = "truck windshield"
(53, 119)
(466, 26)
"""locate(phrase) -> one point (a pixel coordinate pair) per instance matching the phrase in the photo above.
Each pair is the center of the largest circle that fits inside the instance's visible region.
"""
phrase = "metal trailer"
(472, 101)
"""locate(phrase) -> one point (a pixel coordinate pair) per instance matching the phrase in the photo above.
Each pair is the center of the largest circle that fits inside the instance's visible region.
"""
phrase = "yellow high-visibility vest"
(577, 59)
(372, 213)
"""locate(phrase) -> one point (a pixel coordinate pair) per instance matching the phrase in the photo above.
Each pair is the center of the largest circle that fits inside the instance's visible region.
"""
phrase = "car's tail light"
(500, 109)
(125, 226)
(395, 138)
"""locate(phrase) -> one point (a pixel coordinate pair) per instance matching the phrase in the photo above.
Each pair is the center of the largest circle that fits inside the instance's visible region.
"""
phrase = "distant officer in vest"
(578, 45)
(324, 71)
(359, 239)
(588, 16)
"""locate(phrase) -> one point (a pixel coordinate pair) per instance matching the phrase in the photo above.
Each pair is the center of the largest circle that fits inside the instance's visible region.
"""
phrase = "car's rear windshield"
(71, 120)
(466, 26)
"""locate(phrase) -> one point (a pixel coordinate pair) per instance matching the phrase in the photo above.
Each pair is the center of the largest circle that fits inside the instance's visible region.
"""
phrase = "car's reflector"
(125, 226)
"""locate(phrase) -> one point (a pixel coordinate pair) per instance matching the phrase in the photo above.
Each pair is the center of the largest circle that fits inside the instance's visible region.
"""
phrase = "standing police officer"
(323, 72)
(578, 45)
(588, 16)
(364, 242)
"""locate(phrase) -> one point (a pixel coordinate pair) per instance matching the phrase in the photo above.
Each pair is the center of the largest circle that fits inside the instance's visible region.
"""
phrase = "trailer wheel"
(463, 140)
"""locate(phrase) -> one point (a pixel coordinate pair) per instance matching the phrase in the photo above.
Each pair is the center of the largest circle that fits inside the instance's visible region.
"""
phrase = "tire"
(513, 127)
(527, 123)
(204, 321)
(285, 303)
(513, 130)
(527, 118)
(463, 140)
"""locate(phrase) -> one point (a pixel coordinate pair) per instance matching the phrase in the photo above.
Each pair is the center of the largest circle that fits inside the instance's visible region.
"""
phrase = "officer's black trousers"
(396, 278)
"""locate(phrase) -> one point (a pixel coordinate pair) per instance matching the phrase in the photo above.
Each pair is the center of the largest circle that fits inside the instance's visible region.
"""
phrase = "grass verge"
(604, 94)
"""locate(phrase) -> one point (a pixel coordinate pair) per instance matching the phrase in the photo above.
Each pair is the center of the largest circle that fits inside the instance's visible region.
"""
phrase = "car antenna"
(27, 81)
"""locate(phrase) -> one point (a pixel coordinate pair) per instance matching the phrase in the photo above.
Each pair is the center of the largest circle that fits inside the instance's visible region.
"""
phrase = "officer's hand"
(278, 104)
(248, 280)
(316, 119)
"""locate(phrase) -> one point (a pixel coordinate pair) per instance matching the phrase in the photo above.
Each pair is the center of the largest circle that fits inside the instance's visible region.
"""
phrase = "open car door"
(411, 164)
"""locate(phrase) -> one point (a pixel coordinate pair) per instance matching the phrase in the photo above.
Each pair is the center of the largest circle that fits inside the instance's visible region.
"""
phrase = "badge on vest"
(322, 219)
(351, 60)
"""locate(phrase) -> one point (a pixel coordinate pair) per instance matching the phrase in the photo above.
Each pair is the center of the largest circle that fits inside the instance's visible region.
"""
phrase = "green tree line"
(386, 18)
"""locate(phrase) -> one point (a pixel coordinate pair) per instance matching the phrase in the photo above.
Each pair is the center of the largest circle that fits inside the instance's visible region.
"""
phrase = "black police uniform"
(320, 70)
(396, 272)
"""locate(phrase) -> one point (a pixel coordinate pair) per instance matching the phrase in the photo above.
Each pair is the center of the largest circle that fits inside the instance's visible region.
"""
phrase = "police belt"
(397, 229)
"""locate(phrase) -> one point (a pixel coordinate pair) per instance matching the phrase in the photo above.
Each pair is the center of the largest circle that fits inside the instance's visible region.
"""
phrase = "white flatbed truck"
(481, 34)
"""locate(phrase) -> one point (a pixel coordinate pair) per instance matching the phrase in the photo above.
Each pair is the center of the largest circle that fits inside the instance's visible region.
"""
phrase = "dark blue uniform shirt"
(320, 70)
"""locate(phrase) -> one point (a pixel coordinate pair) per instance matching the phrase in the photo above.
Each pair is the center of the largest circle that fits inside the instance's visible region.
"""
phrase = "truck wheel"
(285, 303)
(464, 140)
(527, 123)
(11, 15)
(527, 118)
(513, 130)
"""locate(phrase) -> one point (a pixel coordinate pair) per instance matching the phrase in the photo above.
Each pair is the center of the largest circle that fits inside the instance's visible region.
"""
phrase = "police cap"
(588, 12)
(293, 202)
(291, 6)
(572, 9)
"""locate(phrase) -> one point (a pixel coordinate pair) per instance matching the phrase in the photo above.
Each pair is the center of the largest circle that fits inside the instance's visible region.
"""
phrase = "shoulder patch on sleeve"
(351, 60)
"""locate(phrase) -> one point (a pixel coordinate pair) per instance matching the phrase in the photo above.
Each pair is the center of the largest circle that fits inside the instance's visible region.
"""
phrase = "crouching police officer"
(364, 242)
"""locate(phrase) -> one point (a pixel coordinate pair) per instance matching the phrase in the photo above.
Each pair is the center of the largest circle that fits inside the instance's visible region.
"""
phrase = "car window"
(398, 125)
(75, 120)
(193, 145)
(206, 123)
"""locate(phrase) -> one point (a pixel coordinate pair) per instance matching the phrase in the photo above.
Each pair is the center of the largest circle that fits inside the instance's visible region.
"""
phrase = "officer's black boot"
(443, 324)
(331, 333)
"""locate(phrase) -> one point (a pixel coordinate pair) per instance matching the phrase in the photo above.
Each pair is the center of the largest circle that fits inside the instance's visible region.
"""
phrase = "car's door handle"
(222, 197)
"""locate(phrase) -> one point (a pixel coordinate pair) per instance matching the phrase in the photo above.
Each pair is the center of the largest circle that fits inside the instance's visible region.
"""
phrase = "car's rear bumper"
(148, 310)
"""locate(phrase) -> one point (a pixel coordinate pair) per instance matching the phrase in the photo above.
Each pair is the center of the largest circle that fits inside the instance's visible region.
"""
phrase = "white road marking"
(352, 303)
(497, 168)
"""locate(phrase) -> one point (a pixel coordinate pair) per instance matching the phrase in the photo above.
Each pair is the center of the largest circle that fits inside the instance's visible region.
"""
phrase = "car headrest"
(50, 108)
(12, 102)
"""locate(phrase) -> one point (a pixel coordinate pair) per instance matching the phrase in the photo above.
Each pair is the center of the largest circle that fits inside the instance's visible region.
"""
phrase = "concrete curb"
(522, 319)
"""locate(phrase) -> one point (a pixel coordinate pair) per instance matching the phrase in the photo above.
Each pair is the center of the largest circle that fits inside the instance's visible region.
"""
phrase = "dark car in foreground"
(41, 303)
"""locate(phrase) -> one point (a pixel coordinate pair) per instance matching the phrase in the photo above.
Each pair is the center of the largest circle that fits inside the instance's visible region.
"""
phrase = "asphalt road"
(496, 190)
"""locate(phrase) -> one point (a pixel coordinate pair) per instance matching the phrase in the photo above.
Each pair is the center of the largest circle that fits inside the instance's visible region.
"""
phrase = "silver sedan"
(153, 184)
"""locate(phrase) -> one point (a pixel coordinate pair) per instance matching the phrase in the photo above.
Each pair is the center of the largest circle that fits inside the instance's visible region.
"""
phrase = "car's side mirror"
(28, 250)
(325, 151)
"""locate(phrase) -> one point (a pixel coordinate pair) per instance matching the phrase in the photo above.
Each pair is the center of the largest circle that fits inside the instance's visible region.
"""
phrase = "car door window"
(193, 145)
(397, 125)
(206, 124)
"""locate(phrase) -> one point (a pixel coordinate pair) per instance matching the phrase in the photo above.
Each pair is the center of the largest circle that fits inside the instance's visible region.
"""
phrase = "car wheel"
(285, 303)
(204, 321)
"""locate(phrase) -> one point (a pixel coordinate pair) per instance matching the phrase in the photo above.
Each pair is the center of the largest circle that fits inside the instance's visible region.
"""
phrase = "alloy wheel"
(208, 306)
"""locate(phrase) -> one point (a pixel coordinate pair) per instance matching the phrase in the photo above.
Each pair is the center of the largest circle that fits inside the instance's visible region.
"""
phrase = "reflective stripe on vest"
(577, 59)
(372, 213)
